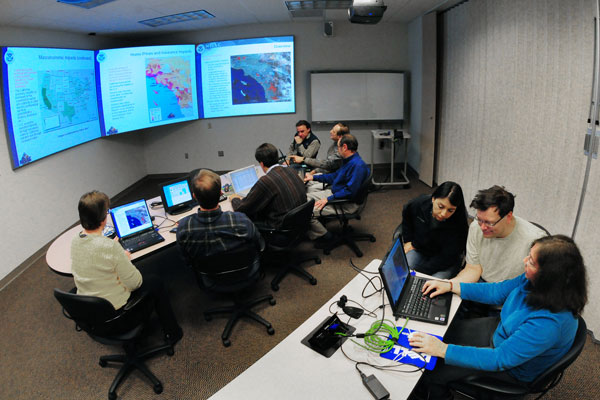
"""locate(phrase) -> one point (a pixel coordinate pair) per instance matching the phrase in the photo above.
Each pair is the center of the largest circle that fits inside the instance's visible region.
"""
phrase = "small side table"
(376, 136)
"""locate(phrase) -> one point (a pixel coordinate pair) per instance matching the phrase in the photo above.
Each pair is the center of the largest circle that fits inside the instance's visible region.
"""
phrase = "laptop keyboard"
(140, 241)
(417, 304)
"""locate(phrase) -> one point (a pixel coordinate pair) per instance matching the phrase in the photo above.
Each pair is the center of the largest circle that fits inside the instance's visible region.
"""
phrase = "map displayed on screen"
(246, 77)
(169, 88)
(50, 101)
(142, 87)
(261, 78)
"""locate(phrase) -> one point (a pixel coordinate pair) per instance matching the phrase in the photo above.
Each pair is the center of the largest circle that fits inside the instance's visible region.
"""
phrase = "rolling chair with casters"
(97, 317)
(347, 235)
(489, 388)
(232, 273)
(284, 239)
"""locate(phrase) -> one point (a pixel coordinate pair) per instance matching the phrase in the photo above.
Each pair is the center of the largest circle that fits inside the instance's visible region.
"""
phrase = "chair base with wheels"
(238, 310)
(132, 359)
(349, 238)
(296, 267)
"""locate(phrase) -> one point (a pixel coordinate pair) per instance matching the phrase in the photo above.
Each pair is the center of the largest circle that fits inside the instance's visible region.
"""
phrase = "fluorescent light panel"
(318, 4)
(85, 3)
(182, 17)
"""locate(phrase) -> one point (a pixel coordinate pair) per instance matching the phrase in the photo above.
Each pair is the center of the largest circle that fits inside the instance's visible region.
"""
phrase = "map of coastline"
(261, 78)
(169, 88)
(68, 98)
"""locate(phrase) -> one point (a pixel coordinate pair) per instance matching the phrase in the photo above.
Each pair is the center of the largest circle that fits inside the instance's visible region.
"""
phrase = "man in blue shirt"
(344, 184)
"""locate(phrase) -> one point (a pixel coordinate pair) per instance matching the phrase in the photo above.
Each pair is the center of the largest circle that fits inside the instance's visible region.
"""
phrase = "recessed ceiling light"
(318, 4)
(85, 3)
(182, 17)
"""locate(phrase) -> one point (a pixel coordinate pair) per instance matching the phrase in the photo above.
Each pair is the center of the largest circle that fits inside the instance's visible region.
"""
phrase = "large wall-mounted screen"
(246, 77)
(143, 87)
(49, 101)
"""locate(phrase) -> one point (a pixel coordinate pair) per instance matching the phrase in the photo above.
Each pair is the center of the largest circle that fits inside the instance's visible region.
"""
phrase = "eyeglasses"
(487, 223)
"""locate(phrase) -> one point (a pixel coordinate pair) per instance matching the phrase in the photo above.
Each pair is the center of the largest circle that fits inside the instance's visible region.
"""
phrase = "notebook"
(134, 226)
(243, 179)
(404, 290)
(176, 196)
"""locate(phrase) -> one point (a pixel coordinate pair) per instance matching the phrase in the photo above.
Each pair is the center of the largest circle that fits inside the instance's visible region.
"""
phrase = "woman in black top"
(434, 231)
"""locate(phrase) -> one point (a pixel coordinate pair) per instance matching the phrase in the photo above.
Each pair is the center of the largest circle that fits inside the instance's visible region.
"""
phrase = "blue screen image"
(246, 77)
(395, 271)
(50, 101)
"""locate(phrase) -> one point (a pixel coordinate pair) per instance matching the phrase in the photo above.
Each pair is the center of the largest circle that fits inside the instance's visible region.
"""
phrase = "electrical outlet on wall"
(221, 153)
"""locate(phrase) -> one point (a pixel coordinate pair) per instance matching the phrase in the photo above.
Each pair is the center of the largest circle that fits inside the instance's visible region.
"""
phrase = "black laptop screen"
(394, 272)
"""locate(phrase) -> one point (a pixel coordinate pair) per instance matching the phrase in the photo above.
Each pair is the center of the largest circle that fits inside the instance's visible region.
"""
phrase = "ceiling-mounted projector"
(366, 11)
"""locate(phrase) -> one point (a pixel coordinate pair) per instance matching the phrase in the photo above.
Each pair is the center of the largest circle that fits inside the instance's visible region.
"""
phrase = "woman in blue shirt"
(537, 323)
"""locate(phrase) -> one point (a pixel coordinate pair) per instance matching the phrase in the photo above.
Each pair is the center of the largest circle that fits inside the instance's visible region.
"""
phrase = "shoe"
(173, 338)
(324, 241)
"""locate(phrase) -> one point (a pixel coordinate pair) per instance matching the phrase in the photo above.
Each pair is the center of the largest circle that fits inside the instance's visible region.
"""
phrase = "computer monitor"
(176, 196)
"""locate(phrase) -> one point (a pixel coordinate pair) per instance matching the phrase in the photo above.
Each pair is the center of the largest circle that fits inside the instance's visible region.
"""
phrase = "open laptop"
(134, 226)
(176, 196)
(243, 179)
(404, 290)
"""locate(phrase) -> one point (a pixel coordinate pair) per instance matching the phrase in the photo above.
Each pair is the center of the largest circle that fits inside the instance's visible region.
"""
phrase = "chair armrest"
(136, 298)
(496, 385)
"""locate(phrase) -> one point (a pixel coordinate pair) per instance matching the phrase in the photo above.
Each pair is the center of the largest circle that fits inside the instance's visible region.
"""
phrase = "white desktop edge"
(293, 371)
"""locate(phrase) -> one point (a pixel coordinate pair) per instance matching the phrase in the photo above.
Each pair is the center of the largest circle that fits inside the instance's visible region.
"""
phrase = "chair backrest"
(97, 316)
(361, 196)
(227, 268)
(552, 375)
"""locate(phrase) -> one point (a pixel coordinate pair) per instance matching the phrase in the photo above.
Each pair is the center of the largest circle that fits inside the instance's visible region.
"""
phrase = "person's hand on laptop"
(235, 196)
(297, 159)
(434, 288)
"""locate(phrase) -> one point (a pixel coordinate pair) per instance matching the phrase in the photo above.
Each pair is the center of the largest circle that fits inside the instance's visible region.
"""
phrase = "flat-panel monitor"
(176, 196)
(49, 101)
(246, 77)
(143, 87)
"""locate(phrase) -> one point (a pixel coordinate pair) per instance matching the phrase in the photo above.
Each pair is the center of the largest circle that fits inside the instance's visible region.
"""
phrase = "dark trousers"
(477, 332)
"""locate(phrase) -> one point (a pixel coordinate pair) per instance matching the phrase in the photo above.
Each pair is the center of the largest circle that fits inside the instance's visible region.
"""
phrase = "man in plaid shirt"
(213, 231)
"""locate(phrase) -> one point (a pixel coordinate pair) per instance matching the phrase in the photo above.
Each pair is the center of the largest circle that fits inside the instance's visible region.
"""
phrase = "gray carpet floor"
(43, 357)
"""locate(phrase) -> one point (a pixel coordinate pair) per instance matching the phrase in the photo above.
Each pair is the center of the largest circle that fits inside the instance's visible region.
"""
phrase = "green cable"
(380, 343)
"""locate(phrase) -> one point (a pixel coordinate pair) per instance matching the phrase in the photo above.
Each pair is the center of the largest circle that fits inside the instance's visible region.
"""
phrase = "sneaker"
(324, 241)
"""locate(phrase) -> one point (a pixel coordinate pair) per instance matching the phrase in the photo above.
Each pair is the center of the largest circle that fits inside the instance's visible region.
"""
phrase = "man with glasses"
(498, 240)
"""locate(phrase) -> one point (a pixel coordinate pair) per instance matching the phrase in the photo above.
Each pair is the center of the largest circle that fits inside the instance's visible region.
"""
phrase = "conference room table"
(58, 256)
(291, 370)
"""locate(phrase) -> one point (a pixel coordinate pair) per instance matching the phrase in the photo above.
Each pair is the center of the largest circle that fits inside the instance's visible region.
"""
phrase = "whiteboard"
(356, 96)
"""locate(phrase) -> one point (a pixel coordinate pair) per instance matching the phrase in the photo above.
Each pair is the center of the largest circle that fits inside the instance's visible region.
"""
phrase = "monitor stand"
(180, 210)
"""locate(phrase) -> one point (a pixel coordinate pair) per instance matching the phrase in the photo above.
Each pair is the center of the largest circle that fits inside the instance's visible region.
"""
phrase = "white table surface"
(58, 256)
(293, 371)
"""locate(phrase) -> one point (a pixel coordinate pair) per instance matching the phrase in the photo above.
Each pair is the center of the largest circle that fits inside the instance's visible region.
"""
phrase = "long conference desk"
(58, 256)
(291, 370)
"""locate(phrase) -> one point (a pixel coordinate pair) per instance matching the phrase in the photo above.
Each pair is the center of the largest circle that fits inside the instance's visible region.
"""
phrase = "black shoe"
(324, 241)
(173, 338)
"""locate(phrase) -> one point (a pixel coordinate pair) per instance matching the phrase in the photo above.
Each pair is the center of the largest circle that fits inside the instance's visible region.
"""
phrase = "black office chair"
(283, 240)
(97, 317)
(232, 273)
(479, 387)
(347, 235)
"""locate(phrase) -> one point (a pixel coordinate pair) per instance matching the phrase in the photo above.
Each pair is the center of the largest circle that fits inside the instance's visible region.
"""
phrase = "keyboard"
(417, 304)
(141, 241)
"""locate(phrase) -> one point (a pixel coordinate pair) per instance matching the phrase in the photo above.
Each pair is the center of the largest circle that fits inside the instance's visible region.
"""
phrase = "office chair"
(479, 387)
(232, 273)
(285, 238)
(347, 235)
(97, 317)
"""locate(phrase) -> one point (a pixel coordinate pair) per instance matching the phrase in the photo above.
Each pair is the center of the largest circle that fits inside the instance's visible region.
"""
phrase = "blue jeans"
(417, 260)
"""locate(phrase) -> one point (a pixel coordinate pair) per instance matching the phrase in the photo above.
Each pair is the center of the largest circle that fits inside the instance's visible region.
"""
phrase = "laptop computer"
(404, 290)
(176, 196)
(243, 179)
(134, 226)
